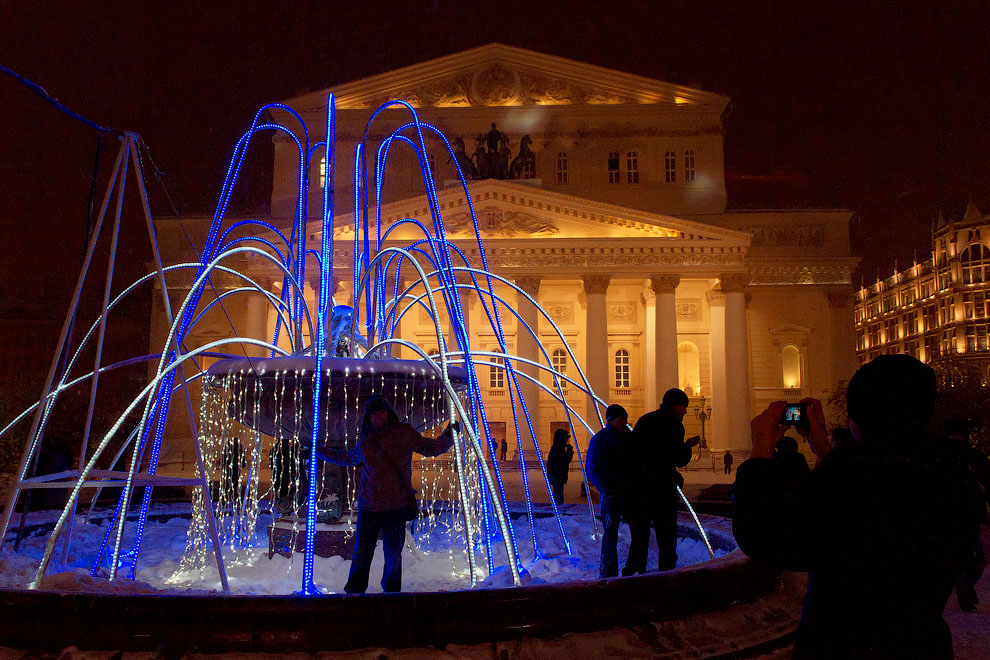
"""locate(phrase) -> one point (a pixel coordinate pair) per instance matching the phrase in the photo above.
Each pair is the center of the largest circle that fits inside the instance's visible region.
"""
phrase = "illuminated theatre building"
(604, 198)
(937, 308)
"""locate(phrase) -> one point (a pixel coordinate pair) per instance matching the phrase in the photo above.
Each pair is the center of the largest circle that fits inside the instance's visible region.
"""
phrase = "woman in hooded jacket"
(385, 493)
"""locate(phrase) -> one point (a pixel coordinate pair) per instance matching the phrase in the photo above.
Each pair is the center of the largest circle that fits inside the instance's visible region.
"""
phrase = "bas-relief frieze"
(505, 224)
(577, 261)
(789, 236)
(499, 85)
(560, 312)
(623, 312)
(771, 275)
(688, 309)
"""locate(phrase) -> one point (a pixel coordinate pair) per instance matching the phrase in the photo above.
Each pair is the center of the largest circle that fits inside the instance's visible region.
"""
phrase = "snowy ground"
(432, 564)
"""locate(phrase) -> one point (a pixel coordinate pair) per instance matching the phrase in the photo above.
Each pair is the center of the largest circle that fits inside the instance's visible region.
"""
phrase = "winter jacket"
(883, 532)
(386, 460)
(659, 449)
(559, 461)
(607, 461)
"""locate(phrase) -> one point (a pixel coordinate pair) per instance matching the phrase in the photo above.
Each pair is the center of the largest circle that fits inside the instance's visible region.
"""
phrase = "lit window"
(559, 361)
(496, 375)
(977, 305)
(689, 166)
(670, 167)
(613, 167)
(790, 362)
(977, 338)
(622, 369)
(975, 264)
(689, 368)
(561, 167)
(632, 167)
(323, 172)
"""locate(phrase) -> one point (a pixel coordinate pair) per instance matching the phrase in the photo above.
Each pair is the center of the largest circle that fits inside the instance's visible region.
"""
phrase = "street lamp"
(703, 414)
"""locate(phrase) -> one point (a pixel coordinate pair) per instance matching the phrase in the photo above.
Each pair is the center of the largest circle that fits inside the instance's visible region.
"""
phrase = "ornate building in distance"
(937, 308)
(603, 195)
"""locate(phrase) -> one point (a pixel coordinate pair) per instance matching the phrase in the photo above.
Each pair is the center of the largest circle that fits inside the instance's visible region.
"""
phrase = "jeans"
(663, 521)
(611, 518)
(558, 491)
(392, 527)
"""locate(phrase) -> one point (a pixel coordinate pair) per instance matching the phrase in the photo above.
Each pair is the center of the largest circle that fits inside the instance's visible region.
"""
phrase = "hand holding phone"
(693, 440)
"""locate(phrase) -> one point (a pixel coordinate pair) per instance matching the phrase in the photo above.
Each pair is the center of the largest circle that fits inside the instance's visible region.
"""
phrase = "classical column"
(716, 335)
(256, 318)
(843, 343)
(526, 348)
(596, 353)
(666, 331)
(650, 328)
(467, 298)
(737, 362)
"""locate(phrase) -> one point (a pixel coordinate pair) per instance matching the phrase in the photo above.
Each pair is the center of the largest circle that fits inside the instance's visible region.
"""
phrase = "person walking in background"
(659, 449)
(559, 462)
(503, 450)
(883, 526)
(607, 469)
(727, 461)
(384, 450)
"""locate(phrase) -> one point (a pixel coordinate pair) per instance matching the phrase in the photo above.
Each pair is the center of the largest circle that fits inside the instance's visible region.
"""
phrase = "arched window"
(689, 166)
(976, 264)
(632, 167)
(790, 364)
(622, 369)
(561, 167)
(558, 359)
(434, 354)
(688, 368)
(670, 167)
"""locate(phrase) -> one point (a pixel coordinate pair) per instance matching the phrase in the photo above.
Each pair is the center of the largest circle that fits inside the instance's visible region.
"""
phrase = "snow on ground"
(433, 564)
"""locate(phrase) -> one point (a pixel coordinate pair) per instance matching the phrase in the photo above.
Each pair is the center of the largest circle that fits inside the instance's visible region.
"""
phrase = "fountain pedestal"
(286, 536)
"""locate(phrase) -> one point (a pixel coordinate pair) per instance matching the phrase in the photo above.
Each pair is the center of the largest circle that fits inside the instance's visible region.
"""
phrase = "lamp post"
(703, 414)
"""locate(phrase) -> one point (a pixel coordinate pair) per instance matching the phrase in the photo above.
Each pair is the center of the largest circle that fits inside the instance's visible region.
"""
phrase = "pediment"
(500, 75)
(512, 212)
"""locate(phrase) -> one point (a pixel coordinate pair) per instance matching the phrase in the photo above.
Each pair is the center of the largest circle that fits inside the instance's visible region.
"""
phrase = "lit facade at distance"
(936, 308)
(605, 201)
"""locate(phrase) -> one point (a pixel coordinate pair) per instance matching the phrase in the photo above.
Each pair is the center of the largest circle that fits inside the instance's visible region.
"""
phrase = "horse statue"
(468, 168)
(524, 164)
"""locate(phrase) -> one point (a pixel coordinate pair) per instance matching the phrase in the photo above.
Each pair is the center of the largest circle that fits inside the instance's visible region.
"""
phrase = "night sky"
(880, 108)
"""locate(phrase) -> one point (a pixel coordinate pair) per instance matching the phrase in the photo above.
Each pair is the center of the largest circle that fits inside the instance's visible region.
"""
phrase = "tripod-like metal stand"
(85, 476)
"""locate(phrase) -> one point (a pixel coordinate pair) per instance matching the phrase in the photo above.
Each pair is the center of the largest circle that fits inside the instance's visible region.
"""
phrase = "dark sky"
(878, 107)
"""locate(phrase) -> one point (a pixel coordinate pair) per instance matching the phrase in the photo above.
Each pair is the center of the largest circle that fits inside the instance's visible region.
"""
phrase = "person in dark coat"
(727, 461)
(558, 463)
(660, 449)
(883, 525)
(384, 450)
(607, 467)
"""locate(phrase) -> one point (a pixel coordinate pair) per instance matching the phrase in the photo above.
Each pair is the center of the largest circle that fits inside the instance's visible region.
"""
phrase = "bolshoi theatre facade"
(602, 195)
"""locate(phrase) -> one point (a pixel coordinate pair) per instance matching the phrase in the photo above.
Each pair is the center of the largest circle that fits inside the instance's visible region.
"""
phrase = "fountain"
(288, 402)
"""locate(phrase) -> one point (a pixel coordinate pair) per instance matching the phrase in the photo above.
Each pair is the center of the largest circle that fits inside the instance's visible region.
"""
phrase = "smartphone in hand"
(693, 440)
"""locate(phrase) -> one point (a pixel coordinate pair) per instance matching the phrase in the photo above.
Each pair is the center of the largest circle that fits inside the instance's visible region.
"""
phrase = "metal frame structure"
(55, 382)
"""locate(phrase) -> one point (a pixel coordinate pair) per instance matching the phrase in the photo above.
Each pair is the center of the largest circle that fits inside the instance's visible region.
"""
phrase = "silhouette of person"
(558, 463)
(660, 449)
(607, 470)
(883, 526)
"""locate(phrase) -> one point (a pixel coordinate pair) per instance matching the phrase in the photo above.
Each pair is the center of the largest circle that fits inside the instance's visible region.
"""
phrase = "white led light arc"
(148, 390)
